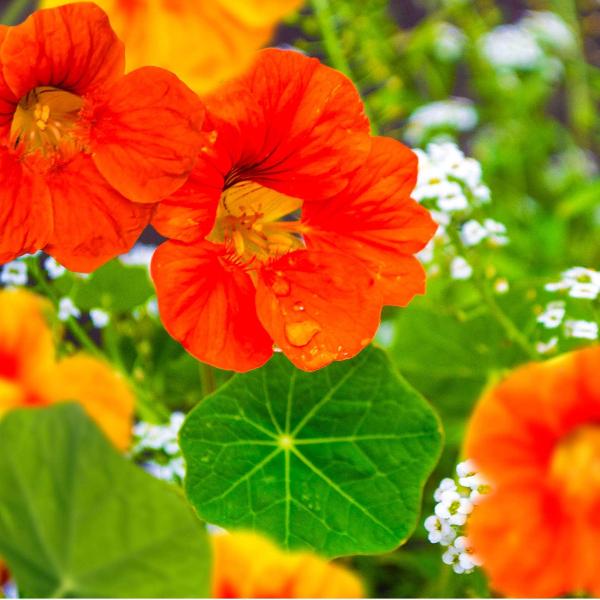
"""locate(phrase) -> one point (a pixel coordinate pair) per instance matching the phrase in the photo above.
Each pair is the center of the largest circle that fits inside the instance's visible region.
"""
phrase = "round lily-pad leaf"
(332, 461)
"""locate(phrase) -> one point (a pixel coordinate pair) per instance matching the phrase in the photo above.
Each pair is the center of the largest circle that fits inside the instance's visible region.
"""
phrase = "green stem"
(146, 407)
(335, 52)
(13, 12)
(207, 375)
(512, 331)
(79, 333)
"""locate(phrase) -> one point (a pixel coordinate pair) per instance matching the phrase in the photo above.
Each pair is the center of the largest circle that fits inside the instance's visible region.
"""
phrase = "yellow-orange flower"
(205, 42)
(30, 375)
(247, 565)
(536, 438)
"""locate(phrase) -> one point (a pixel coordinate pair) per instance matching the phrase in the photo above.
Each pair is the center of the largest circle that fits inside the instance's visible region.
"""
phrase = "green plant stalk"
(12, 13)
(207, 376)
(337, 58)
(581, 107)
(511, 330)
(147, 409)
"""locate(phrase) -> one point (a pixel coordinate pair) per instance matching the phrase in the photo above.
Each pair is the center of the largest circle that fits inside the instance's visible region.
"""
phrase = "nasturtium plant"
(332, 461)
(77, 519)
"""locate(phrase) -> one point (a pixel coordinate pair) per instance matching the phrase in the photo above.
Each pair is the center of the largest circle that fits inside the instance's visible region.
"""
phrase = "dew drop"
(299, 334)
(281, 287)
(298, 307)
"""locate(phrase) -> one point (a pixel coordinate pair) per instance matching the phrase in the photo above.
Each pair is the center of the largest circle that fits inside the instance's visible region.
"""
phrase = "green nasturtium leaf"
(332, 461)
(77, 519)
(115, 287)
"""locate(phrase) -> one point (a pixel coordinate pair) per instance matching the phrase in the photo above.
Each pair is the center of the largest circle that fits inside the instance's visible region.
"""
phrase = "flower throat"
(257, 223)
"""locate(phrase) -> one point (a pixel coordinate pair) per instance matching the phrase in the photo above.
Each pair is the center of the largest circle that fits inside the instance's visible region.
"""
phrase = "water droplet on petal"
(281, 287)
(298, 307)
(299, 334)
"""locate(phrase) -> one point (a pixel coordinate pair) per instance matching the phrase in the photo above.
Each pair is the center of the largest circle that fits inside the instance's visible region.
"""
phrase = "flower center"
(576, 464)
(45, 119)
(257, 223)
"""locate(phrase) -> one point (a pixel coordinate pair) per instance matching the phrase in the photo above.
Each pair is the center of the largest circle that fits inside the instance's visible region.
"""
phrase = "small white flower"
(496, 232)
(457, 114)
(460, 268)
(447, 484)
(14, 273)
(465, 468)
(580, 282)
(511, 47)
(385, 334)
(99, 317)
(547, 347)
(53, 268)
(473, 233)
(450, 556)
(553, 316)
(139, 255)
(67, 309)
(581, 329)
(551, 30)
(449, 42)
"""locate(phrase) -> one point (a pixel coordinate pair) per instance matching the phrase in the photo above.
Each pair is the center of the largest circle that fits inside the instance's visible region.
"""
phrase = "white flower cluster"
(454, 115)
(455, 502)
(523, 46)
(579, 283)
(14, 273)
(451, 186)
(160, 441)
(449, 42)
(450, 179)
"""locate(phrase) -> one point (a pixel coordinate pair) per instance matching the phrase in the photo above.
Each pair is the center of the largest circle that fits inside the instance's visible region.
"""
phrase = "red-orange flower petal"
(535, 437)
(146, 133)
(71, 47)
(318, 306)
(24, 195)
(209, 306)
(304, 132)
(92, 221)
(376, 221)
(189, 214)
(102, 391)
(8, 101)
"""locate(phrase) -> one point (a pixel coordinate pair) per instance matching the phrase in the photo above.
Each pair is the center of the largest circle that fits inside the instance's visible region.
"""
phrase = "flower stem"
(207, 375)
(512, 331)
(335, 52)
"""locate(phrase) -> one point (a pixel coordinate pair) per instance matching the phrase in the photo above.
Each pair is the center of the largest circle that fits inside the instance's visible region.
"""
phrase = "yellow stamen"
(44, 120)
(249, 222)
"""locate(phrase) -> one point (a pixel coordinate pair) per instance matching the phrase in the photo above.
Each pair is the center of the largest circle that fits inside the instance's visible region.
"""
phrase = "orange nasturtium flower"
(294, 229)
(536, 438)
(247, 565)
(85, 151)
(30, 375)
(205, 42)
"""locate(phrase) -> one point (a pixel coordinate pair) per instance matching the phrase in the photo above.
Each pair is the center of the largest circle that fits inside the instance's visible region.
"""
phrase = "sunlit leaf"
(114, 287)
(333, 461)
(79, 520)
